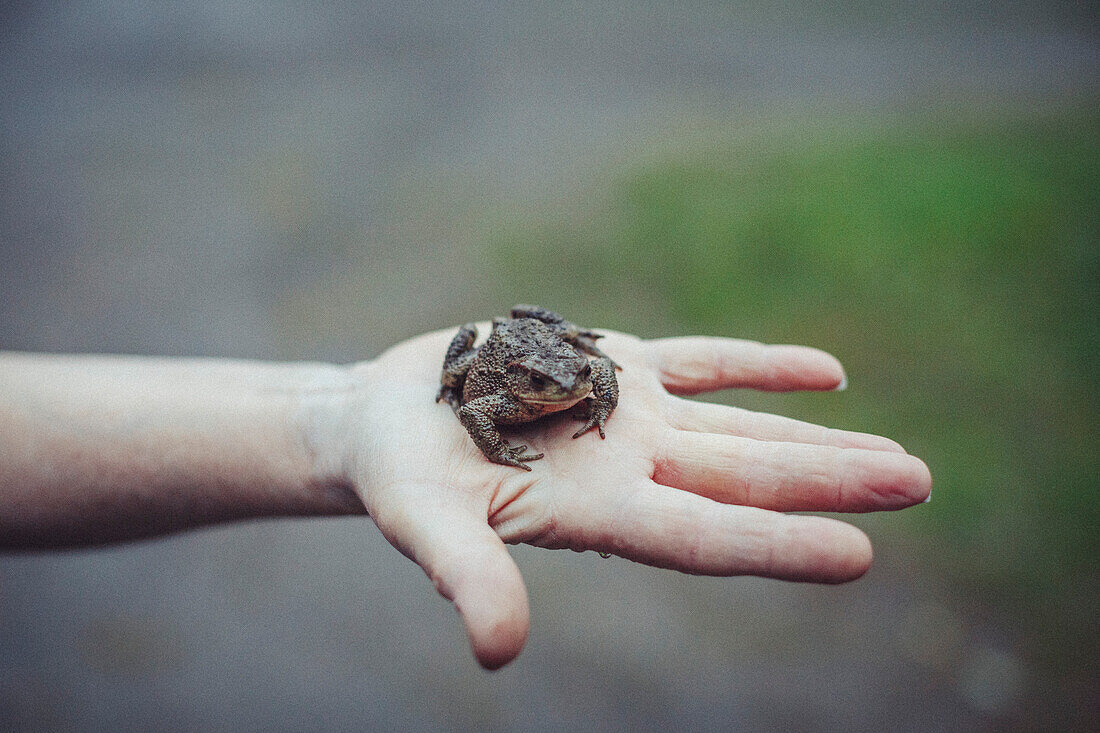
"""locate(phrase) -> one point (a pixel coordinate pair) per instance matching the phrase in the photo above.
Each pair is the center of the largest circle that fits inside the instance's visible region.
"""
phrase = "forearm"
(97, 449)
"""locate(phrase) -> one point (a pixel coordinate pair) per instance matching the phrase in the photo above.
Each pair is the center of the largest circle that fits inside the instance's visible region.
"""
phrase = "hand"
(677, 484)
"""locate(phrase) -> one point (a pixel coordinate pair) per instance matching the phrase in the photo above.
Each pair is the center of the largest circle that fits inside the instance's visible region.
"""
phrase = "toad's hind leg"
(460, 354)
(586, 342)
(538, 313)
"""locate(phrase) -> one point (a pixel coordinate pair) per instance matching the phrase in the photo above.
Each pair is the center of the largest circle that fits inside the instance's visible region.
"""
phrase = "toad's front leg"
(604, 399)
(456, 363)
(479, 417)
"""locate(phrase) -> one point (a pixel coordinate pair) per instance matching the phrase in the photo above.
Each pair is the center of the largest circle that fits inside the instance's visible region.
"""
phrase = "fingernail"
(843, 384)
(927, 498)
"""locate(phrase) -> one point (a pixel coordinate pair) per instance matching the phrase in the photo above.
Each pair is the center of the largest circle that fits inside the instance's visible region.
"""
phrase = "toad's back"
(512, 341)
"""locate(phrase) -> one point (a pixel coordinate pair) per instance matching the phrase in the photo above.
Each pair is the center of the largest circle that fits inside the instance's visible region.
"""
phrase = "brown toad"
(532, 364)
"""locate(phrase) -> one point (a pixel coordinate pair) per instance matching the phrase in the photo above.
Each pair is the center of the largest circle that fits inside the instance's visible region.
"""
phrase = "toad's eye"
(586, 370)
(538, 381)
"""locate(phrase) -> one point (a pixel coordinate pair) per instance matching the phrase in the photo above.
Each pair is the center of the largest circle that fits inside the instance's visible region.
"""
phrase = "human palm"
(680, 484)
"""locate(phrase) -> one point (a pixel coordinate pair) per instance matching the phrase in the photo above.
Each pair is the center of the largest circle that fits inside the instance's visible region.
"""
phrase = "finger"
(693, 364)
(661, 526)
(469, 565)
(706, 417)
(790, 476)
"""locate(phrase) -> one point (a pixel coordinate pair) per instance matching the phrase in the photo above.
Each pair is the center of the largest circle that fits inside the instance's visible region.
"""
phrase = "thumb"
(469, 565)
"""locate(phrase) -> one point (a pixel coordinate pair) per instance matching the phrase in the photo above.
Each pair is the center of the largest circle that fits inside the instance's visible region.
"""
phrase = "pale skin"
(96, 450)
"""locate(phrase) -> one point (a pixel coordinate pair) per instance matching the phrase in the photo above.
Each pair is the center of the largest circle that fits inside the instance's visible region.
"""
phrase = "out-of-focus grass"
(954, 267)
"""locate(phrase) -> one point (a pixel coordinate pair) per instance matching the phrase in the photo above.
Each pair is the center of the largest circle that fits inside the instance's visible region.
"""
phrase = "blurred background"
(913, 187)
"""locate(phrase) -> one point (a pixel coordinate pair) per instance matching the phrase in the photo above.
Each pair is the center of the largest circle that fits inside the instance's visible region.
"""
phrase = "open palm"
(680, 484)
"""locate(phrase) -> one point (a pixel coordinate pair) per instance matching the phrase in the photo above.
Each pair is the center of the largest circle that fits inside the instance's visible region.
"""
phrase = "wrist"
(321, 417)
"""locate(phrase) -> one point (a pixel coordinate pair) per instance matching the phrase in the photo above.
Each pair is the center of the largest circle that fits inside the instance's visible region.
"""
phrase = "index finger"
(693, 364)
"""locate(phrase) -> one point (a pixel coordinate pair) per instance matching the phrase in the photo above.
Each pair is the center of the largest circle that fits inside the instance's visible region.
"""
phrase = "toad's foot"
(593, 413)
(592, 422)
(514, 456)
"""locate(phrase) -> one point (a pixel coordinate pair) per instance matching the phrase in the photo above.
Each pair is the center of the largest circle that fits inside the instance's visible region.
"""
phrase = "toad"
(532, 364)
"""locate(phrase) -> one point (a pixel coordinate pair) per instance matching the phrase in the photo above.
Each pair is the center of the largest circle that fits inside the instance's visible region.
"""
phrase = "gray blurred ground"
(292, 182)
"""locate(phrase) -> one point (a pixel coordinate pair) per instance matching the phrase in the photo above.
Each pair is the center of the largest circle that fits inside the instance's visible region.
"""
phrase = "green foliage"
(953, 266)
